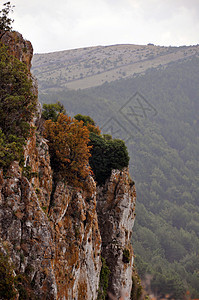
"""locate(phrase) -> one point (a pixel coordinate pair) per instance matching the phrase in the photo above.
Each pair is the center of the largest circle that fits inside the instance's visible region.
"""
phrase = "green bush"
(89, 123)
(11, 148)
(52, 111)
(106, 155)
(137, 291)
(86, 119)
(126, 256)
(104, 278)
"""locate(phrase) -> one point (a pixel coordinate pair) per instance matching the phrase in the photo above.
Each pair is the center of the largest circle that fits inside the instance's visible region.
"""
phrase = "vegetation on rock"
(74, 143)
(104, 278)
(106, 155)
(52, 111)
(12, 284)
(89, 123)
(126, 256)
(17, 105)
(7, 289)
(137, 292)
(68, 145)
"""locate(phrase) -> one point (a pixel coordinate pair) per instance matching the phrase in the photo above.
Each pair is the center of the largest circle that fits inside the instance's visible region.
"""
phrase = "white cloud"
(63, 24)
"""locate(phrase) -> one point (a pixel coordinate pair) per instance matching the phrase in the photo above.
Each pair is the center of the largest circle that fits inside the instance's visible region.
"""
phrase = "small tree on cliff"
(88, 122)
(5, 21)
(107, 154)
(68, 145)
(52, 111)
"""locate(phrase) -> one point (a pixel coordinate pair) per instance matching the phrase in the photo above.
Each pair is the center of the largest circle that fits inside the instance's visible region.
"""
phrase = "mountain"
(53, 242)
(156, 113)
(93, 66)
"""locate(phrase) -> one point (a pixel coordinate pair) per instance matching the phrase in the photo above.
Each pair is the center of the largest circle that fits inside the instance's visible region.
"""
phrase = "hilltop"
(88, 67)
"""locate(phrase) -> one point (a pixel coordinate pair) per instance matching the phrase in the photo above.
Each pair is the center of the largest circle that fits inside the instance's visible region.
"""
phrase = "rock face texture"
(25, 229)
(55, 234)
(17, 46)
(115, 209)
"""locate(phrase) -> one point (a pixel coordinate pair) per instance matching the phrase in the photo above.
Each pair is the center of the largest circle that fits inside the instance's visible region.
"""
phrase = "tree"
(5, 21)
(106, 155)
(86, 119)
(89, 122)
(51, 111)
(68, 145)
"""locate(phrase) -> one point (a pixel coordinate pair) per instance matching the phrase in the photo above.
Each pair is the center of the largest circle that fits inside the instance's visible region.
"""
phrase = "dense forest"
(157, 115)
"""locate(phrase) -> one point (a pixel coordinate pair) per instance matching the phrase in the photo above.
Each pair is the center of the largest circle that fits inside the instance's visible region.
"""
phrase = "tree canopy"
(69, 150)
(88, 122)
(106, 155)
(52, 111)
(74, 143)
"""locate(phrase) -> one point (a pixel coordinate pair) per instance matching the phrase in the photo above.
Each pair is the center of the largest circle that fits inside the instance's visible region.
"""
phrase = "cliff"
(56, 234)
(115, 209)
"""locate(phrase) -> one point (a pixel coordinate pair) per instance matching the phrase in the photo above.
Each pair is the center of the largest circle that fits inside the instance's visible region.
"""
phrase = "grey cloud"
(63, 24)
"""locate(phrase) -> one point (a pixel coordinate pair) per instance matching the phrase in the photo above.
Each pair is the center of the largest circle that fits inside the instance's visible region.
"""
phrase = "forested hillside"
(157, 115)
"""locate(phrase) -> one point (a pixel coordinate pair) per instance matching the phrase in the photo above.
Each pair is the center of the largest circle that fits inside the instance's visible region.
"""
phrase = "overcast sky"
(53, 25)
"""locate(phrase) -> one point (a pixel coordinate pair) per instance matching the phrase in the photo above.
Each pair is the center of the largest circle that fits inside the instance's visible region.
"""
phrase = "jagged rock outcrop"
(115, 209)
(17, 46)
(53, 232)
(77, 241)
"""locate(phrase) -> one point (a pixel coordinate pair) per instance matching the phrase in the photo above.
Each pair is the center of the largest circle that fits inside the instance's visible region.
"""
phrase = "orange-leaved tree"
(68, 145)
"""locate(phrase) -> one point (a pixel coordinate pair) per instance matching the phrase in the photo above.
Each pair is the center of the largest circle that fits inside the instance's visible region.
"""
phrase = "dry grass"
(88, 67)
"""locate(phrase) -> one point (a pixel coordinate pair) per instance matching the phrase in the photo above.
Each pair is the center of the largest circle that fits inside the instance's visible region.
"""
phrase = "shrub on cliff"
(52, 111)
(86, 119)
(88, 122)
(7, 289)
(106, 155)
(11, 285)
(70, 141)
(68, 145)
(104, 278)
(17, 104)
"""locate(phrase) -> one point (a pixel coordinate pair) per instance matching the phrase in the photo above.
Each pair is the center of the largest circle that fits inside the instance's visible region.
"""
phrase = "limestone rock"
(18, 47)
(25, 226)
(77, 240)
(115, 208)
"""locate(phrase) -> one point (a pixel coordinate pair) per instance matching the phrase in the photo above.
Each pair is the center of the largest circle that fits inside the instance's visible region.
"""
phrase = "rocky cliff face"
(55, 234)
(17, 46)
(115, 209)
